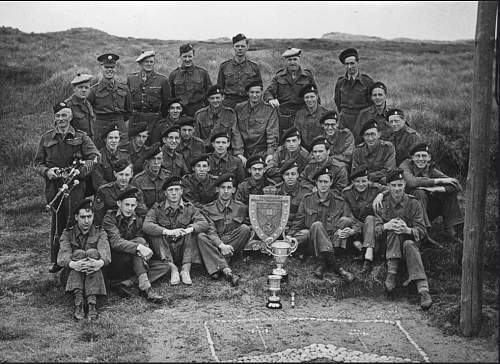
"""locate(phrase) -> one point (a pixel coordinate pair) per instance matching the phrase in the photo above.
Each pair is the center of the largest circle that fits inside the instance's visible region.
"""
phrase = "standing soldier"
(221, 161)
(57, 150)
(351, 90)
(137, 147)
(150, 91)
(191, 146)
(283, 92)
(289, 149)
(111, 101)
(189, 82)
(173, 160)
(174, 109)
(235, 74)
(402, 136)
(83, 114)
(340, 140)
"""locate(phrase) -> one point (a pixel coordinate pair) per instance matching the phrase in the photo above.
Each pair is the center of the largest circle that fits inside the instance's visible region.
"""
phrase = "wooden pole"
(472, 260)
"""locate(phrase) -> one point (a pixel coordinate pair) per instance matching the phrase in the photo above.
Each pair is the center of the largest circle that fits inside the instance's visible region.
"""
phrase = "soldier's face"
(254, 94)
(220, 145)
(371, 136)
(378, 96)
(323, 183)
(215, 100)
(84, 219)
(291, 176)
(187, 58)
(187, 132)
(320, 153)
(396, 122)
(175, 111)
(108, 71)
(421, 159)
(201, 169)
(311, 100)
(293, 63)
(123, 177)
(127, 206)
(226, 191)
(155, 162)
(82, 90)
(148, 64)
(257, 171)
(330, 126)
(141, 138)
(173, 194)
(360, 183)
(397, 188)
(173, 140)
(292, 144)
(240, 48)
(351, 65)
(113, 139)
(62, 118)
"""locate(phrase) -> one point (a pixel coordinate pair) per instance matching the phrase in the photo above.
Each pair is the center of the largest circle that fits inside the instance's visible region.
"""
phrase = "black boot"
(232, 278)
(367, 267)
(55, 268)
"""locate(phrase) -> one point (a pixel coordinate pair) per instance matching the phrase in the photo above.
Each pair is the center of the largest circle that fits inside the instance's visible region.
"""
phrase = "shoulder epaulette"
(282, 70)
(47, 132)
(80, 131)
(226, 61)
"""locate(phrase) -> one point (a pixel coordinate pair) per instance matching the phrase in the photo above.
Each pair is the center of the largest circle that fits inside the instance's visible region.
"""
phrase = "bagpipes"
(68, 174)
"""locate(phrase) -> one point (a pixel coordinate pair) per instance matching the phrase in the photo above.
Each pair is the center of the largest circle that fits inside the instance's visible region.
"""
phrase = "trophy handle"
(293, 241)
(269, 241)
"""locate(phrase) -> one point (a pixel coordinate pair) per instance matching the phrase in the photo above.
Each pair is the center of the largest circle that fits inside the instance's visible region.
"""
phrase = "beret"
(171, 181)
(349, 52)
(319, 140)
(255, 159)
(120, 165)
(154, 150)
(86, 203)
(145, 55)
(108, 58)
(227, 177)
(199, 158)
(307, 89)
(238, 37)
(218, 134)
(392, 112)
(394, 175)
(289, 164)
(359, 172)
(291, 52)
(253, 84)
(368, 125)
(185, 48)
(322, 171)
(81, 78)
(375, 85)
(108, 130)
(128, 194)
(186, 120)
(174, 100)
(215, 89)
(58, 107)
(291, 132)
(173, 128)
(329, 115)
(420, 147)
(137, 128)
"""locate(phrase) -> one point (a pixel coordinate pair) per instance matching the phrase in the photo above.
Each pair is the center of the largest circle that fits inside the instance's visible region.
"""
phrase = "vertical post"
(472, 260)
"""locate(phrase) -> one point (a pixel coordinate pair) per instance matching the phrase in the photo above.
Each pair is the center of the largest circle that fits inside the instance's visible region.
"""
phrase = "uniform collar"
(120, 217)
(212, 113)
(179, 207)
(239, 63)
(221, 206)
(79, 232)
(225, 157)
(395, 204)
(70, 131)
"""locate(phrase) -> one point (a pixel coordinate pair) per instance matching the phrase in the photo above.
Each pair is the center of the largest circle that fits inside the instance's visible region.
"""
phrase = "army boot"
(425, 300)
(367, 267)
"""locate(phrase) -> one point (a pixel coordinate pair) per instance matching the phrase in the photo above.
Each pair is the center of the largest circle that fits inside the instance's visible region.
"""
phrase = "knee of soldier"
(370, 219)
(78, 254)
(245, 228)
(203, 237)
(345, 221)
(140, 240)
(316, 225)
(93, 253)
(409, 244)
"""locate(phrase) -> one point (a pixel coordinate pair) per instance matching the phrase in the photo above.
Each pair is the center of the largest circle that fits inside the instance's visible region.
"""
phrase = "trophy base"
(274, 304)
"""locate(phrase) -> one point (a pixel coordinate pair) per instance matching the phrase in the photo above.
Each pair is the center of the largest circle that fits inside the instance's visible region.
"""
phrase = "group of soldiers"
(165, 167)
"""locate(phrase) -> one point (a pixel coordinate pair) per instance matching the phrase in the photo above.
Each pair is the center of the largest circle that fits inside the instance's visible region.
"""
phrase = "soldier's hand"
(274, 103)
(377, 202)
(79, 265)
(269, 158)
(144, 251)
(242, 158)
(226, 250)
(93, 265)
(53, 173)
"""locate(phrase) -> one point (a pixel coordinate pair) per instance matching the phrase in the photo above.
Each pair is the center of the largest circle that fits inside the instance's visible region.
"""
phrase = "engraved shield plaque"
(269, 215)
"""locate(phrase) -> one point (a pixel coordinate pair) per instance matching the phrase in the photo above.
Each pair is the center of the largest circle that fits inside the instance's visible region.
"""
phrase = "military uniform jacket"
(103, 172)
(190, 84)
(258, 126)
(341, 145)
(83, 115)
(227, 163)
(190, 149)
(225, 219)
(136, 155)
(338, 173)
(159, 127)
(308, 124)
(110, 102)
(416, 177)
(287, 90)
(150, 184)
(251, 187)
(121, 231)
(151, 94)
(403, 141)
(106, 197)
(367, 114)
(73, 238)
(352, 96)
(360, 203)
(296, 193)
(282, 155)
(208, 120)
(409, 209)
(199, 192)
(173, 161)
(379, 160)
(233, 76)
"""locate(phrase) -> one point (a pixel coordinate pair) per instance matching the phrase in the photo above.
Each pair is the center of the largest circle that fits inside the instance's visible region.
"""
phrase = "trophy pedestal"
(274, 302)
(281, 272)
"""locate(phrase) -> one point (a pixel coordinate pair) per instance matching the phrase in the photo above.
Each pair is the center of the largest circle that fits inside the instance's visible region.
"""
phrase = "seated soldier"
(175, 110)
(341, 141)
(152, 178)
(84, 250)
(253, 185)
(318, 225)
(402, 136)
(436, 191)
(173, 227)
(289, 149)
(137, 147)
(360, 196)
(307, 118)
(191, 146)
(198, 187)
(110, 154)
(377, 155)
(319, 160)
(221, 161)
(107, 195)
(400, 221)
(173, 160)
(130, 253)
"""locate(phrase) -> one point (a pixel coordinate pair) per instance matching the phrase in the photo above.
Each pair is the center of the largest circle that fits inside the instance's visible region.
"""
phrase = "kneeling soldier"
(400, 221)
(131, 255)
(84, 250)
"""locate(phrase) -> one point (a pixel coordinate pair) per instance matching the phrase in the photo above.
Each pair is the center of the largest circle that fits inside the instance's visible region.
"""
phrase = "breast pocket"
(120, 97)
(179, 86)
(153, 95)
(231, 78)
(311, 216)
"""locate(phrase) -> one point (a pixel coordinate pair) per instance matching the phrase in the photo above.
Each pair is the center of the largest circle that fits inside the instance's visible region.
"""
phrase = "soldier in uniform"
(189, 82)
(319, 225)
(221, 161)
(351, 90)
(236, 73)
(137, 148)
(340, 140)
(378, 156)
(258, 123)
(151, 179)
(283, 92)
(150, 92)
(83, 114)
(130, 253)
(319, 159)
(107, 195)
(173, 160)
(402, 136)
(198, 187)
(174, 109)
(57, 149)
(255, 183)
(289, 149)
(84, 251)
(191, 146)
(377, 111)
(400, 221)
(110, 154)
(307, 118)
(111, 101)
(436, 191)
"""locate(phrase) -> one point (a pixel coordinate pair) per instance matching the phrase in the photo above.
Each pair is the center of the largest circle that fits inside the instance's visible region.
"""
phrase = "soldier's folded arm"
(103, 247)
(271, 90)
(65, 250)
(417, 218)
(116, 242)
(150, 225)
(199, 223)
(141, 208)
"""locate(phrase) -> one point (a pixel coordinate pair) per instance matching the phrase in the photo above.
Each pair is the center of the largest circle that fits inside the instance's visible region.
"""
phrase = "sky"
(197, 20)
